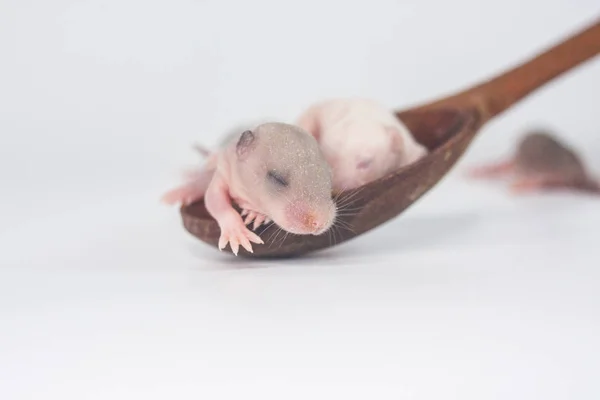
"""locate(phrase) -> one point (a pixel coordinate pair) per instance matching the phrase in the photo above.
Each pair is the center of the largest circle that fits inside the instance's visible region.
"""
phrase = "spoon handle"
(494, 96)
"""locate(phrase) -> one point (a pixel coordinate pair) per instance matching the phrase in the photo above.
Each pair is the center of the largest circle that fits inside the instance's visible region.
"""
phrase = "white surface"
(472, 294)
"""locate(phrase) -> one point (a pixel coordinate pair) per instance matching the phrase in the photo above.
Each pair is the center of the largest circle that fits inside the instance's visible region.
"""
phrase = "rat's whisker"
(343, 200)
(280, 233)
(347, 214)
(283, 239)
(352, 196)
(343, 213)
(340, 234)
(272, 233)
(348, 207)
(266, 227)
(345, 225)
(271, 242)
(268, 241)
(334, 230)
(349, 192)
(348, 210)
(357, 192)
(338, 194)
(273, 236)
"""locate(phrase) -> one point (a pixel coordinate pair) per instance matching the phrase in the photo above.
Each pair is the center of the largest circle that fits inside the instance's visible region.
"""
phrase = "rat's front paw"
(257, 217)
(235, 233)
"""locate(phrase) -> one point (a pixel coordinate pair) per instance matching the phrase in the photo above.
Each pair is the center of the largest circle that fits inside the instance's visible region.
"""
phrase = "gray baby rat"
(541, 161)
(276, 172)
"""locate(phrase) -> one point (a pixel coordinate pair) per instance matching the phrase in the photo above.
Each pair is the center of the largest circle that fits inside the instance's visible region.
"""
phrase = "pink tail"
(203, 150)
(491, 170)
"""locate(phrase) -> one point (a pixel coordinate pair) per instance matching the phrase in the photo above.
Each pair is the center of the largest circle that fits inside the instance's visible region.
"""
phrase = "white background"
(471, 294)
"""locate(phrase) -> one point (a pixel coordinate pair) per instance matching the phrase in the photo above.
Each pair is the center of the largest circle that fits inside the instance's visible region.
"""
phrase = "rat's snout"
(306, 220)
(310, 222)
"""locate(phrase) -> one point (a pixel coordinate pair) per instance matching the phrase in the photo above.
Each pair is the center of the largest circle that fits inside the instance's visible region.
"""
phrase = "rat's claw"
(253, 237)
(236, 233)
(244, 212)
(246, 244)
(235, 245)
(258, 221)
(222, 241)
(251, 216)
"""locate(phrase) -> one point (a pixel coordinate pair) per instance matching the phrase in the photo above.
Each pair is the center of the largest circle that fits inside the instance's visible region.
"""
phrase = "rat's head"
(365, 156)
(287, 177)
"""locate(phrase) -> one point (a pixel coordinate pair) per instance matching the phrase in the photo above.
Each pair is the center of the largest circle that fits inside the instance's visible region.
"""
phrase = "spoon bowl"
(446, 127)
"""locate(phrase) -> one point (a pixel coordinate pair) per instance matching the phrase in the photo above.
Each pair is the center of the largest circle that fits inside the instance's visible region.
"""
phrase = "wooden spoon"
(446, 127)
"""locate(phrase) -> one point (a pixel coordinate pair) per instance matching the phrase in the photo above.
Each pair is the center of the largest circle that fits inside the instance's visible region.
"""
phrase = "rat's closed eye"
(277, 179)
(364, 164)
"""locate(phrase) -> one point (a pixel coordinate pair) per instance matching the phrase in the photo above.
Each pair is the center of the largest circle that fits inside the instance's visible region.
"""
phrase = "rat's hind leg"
(492, 170)
(197, 182)
(233, 230)
(185, 194)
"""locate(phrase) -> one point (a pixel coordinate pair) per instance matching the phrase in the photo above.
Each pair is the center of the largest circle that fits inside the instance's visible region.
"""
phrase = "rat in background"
(541, 161)
(361, 140)
(275, 172)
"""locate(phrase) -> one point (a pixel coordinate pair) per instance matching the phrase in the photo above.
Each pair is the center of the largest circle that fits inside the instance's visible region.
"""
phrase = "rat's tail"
(205, 152)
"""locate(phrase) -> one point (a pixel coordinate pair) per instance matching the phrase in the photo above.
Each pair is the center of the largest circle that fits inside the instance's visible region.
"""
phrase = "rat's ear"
(245, 144)
(397, 141)
(316, 132)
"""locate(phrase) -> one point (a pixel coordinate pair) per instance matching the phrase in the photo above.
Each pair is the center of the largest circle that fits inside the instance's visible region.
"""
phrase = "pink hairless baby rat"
(273, 172)
(361, 140)
(541, 162)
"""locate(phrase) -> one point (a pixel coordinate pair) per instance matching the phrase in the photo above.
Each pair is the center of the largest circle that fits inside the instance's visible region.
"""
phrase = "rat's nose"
(307, 220)
(313, 223)
(310, 221)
